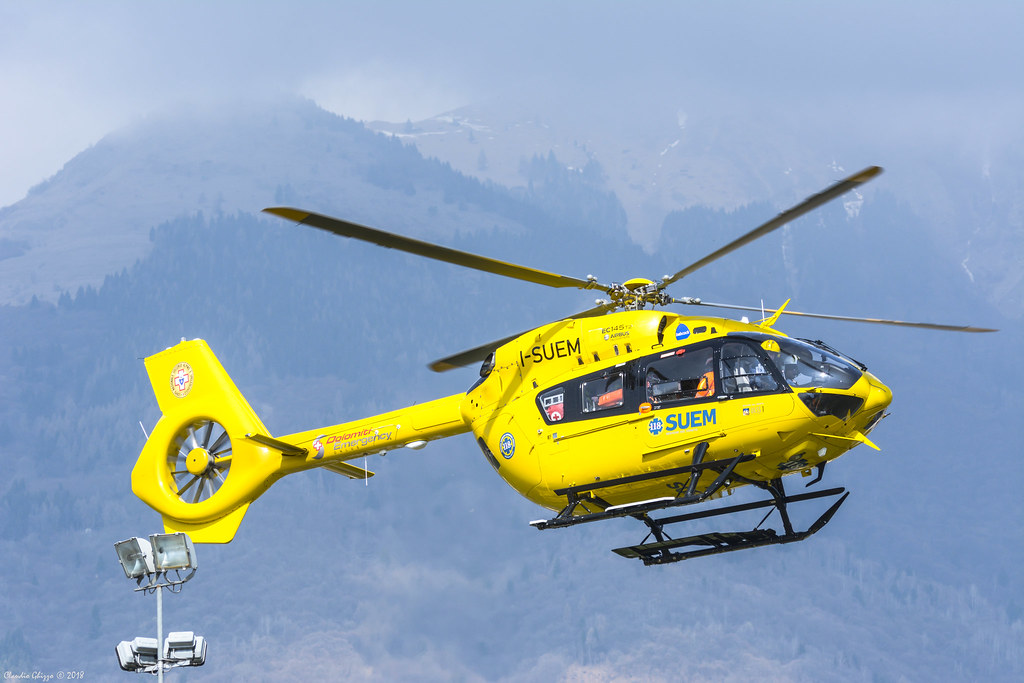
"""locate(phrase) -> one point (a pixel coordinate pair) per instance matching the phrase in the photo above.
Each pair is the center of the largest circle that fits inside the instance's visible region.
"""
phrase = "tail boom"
(210, 456)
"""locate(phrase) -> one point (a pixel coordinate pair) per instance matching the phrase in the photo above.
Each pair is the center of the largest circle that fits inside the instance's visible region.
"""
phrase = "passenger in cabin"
(707, 381)
(680, 376)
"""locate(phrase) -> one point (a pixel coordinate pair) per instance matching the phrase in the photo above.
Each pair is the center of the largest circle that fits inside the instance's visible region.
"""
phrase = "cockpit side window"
(743, 370)
(687, 374)
(804, 366)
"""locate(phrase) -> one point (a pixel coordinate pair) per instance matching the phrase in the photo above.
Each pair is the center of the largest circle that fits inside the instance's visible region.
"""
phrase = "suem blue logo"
(682, 332)
(691, 419)
(655, 426)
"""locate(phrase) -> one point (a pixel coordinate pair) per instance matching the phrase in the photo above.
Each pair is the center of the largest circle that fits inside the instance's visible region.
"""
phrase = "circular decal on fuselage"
(507, 445)
(181, 380)
(655, 426)
(682, 332)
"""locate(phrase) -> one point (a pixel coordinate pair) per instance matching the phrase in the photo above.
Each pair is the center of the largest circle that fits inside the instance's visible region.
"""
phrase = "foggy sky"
(70, 73)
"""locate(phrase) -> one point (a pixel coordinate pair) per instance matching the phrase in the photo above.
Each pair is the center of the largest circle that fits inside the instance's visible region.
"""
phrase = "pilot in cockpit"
(706, 387)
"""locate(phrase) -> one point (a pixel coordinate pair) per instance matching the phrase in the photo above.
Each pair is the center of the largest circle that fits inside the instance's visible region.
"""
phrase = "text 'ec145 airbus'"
(622, 410)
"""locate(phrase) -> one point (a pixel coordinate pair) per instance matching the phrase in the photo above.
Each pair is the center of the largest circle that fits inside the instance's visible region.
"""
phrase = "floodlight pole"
(160, 634)
(152, 572)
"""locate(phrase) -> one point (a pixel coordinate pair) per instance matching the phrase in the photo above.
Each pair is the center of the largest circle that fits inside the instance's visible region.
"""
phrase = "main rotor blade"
(479, 353)
(877, 321)
(469, 356)
(433, 251)
(809, 204)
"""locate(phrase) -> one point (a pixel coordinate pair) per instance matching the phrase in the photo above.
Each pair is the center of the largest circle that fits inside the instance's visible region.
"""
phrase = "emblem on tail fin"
(181, 380)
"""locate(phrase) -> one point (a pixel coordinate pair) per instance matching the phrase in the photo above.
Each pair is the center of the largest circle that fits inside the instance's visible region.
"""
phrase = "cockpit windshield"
(805, 365)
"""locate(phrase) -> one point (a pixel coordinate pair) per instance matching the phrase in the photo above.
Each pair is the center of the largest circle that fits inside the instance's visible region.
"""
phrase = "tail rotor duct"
(199, 460)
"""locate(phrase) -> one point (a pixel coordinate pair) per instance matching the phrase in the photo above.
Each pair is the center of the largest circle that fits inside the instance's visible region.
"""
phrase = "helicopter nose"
(879, 396)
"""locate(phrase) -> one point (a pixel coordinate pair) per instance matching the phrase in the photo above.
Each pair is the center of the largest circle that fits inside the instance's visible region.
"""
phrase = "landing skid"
(664, 549)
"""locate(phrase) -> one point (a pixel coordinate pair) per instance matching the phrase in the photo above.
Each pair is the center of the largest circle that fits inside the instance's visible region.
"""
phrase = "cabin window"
(742, 370)
(552, 402)
(603, 393)
(612, 391)
(686, 374)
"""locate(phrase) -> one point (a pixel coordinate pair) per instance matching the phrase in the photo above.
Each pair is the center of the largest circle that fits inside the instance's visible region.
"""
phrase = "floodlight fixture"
(136, 556)
(126, 656)
(147, 649)
(173, 551)
(184, 648)
(138, 654)
(180, 648)
(163, 561)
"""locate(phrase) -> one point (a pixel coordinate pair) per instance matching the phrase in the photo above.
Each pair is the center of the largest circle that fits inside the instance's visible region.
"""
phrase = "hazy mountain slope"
(965, 183)
(430, 572)
(93, 217)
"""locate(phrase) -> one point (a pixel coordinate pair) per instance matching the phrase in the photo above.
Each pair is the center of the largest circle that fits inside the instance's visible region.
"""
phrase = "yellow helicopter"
(622, 410)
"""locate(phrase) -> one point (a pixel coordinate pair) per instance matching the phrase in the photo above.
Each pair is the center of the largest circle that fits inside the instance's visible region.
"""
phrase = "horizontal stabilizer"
(350, 471)
(859, 437)
(283, 446)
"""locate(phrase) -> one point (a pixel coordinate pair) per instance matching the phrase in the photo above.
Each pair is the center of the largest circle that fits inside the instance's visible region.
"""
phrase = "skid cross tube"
(567, 517)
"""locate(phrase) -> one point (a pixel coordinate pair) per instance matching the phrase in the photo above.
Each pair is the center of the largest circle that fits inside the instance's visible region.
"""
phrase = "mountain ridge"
(665, 161)
(233, 160)
(93, 218)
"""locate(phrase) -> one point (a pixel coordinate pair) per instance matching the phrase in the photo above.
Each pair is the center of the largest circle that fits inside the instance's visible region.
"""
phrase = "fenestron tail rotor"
(199, 459)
